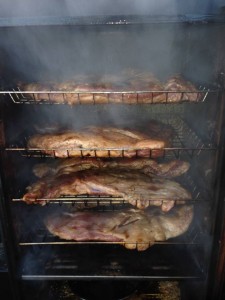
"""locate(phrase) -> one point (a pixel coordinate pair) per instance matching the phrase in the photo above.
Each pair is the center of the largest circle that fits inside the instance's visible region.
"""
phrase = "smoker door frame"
(6, 221)
(8, 242)
(216, 278)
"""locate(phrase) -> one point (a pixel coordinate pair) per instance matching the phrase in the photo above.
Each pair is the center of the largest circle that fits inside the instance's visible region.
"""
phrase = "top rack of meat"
(128, 88)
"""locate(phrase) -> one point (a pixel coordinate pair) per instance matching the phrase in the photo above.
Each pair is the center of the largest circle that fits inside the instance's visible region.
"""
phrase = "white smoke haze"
(60, 52)
(57, 53)
(31, 8)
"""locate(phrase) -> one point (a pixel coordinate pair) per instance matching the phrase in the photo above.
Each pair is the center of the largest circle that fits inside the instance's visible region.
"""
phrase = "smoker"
(41, 49)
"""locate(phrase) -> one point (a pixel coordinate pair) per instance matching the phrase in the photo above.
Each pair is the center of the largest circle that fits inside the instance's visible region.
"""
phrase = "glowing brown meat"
(122, 88)
(98, 137)
(179, 84)
(136, 229)
(91, 89)
(79, 92)
(136, 188)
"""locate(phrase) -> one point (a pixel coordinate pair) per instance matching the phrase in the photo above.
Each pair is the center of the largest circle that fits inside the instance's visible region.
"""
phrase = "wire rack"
(111, 203)
(110, 262)
(88, 201)
(104, 97)
(44, 238)
(185, 142)
(40, 236)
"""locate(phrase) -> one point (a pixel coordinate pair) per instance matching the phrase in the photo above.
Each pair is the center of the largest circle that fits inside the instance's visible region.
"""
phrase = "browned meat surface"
(73, 87)
(103, 138)
(136, 188)
(143, 81)
(136, 229)
(87, 85)
(128, 81)
(179, 84)
(149, 167)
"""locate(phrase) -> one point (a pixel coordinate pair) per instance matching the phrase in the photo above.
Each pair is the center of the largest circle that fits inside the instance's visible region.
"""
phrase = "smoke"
(58, 53)
(31, 8)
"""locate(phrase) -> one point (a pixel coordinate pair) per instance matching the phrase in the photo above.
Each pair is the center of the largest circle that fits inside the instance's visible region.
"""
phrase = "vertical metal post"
(6, 222)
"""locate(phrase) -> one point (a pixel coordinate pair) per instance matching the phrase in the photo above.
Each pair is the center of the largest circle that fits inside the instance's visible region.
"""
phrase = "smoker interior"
(57, 53)
(68, 290)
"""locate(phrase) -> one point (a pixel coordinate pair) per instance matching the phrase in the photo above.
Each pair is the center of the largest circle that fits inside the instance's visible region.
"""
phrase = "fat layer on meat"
(136, 229)
(150, 167)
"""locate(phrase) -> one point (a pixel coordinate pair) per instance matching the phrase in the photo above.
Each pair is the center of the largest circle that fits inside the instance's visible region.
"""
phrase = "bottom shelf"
(113, 290)
(111, 262)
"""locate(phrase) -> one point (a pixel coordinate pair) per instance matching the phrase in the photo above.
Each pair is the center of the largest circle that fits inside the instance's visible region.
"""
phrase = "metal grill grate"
(185, 142)
(38, 235)
(104, 97)
(110, 203)
(113, 262)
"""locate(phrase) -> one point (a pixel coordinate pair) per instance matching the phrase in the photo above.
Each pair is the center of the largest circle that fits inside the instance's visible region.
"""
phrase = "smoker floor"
(129, 290)
(112, 262)
(89, 290)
